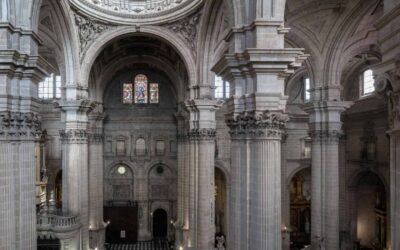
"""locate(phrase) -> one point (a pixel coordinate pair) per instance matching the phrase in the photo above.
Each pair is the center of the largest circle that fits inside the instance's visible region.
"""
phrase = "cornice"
(131, 17)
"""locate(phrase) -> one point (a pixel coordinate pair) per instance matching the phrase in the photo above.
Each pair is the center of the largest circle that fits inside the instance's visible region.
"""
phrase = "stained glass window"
(154, 93)
(127, 93)
(141, 92)
(140, 89)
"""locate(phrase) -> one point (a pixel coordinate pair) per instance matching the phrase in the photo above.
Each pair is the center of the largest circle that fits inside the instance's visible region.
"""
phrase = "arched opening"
(120, 209)
(140, 81)
(220, 203)
(369, 214)
(58, 189)
(160, 224)
(300, 209)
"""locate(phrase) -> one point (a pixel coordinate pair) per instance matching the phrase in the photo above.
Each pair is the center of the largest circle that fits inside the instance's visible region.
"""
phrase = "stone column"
(260, 137)
(21, 70)
(96, 177)
(182, 182)
(325, 130)
(75, 167)
(202, 163)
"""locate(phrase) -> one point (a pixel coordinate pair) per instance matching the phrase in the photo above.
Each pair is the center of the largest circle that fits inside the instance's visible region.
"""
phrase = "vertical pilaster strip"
(96, 177)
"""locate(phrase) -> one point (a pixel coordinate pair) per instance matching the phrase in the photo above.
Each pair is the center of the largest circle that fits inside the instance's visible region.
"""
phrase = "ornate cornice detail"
(130, 9)
(202, 134)
(326, 135)
(96, 137)
(258, 125)
(77, 136)
(187, 28)
(88, 30)
(19, 125)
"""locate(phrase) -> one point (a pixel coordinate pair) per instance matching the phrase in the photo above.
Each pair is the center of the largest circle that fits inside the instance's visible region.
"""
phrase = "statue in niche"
(220, 242)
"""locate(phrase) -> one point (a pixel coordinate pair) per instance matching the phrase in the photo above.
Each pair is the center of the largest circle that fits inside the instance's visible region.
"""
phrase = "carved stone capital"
(202, 134)
(262, 125)
(77, 136)
(20, 125)
(95, 138)
(329, 136)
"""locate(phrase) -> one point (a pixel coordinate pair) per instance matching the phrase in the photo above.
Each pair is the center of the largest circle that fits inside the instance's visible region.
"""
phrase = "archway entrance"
(369, 212)
(300, 209)
(220, 202)
(160, 224)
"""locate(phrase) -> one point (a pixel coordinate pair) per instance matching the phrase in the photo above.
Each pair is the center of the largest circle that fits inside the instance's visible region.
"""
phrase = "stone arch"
(68, 52)
(119, 185)
(359, 173)
(292, 83)
(296, 171)
(114, 66)
(209, 39)
(367, 199)
(332, 65)
(157, 32)
(121, 162)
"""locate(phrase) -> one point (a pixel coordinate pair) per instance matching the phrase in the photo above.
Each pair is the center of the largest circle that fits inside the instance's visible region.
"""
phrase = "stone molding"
(88, 30)
(187, 28)
(132, 11)
(78, 136)
(326, 136)
(202, 134)
(96, 138)
(253, 125)
(20, 125)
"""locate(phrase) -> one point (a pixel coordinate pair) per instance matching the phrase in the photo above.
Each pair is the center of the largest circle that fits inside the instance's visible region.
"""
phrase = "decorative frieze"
(266, 124)
(326, 135)
(88, 30)
(96, 137)
(74, 136)
(18, 124)
(202, 134)
(187, 28)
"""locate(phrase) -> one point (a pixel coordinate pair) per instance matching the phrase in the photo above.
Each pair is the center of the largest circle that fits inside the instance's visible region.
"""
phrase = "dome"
(137, 11)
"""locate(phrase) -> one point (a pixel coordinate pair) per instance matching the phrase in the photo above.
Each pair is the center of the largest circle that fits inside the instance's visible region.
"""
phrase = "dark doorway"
(123, 223)
(160, 224)
(48, 244)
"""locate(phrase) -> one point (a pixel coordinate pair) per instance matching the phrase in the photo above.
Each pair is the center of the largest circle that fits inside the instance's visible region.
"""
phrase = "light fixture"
(121, 170)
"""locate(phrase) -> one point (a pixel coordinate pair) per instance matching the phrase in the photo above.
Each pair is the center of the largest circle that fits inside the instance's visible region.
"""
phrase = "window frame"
(148, 92)
(362, 83)
(306, 89)
(56, 91)
(225, 88)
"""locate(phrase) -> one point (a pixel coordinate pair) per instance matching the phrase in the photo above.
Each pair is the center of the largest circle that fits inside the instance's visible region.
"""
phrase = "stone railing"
(57, 223)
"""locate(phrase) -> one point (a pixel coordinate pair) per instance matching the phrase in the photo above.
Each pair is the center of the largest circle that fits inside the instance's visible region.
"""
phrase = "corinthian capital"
(251, 124)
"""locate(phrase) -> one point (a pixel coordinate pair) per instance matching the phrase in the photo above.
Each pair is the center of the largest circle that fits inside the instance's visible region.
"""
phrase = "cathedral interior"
(200, 124)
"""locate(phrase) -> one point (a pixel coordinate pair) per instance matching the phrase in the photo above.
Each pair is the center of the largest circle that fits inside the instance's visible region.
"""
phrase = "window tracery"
(141, 92)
